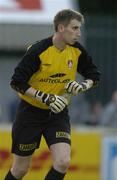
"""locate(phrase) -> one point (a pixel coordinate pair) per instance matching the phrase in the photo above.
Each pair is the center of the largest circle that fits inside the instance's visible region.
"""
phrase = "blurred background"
(93, 114)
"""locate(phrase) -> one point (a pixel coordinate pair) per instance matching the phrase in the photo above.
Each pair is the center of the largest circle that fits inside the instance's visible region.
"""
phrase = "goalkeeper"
(44, 80)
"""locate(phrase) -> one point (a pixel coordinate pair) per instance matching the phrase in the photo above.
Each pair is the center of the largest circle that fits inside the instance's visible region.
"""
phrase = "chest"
(52, 60)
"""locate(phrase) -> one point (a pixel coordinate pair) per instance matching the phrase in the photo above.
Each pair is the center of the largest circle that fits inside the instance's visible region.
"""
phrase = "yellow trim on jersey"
(57, 68)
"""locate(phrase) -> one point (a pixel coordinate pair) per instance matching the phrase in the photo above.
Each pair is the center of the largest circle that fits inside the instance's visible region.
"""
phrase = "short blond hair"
(65, 16)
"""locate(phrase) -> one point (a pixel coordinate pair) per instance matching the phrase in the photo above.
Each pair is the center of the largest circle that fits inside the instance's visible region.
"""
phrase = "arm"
(88, 70)
(29, 64)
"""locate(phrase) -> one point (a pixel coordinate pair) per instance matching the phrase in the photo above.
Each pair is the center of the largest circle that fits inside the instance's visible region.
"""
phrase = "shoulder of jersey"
(40, 46)
(78, 45)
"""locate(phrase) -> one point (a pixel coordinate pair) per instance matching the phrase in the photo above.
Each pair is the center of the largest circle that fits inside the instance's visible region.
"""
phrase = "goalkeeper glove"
(74, 87)
(55, 103)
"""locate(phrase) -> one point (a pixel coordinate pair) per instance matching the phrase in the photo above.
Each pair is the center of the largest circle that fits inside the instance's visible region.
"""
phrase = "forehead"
(74, 22)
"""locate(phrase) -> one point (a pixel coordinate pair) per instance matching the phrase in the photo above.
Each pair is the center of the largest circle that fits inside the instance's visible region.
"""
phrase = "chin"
(71, 42)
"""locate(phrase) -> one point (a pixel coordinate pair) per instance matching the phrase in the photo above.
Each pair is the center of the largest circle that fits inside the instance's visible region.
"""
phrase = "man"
(45, 80)
(109, 114)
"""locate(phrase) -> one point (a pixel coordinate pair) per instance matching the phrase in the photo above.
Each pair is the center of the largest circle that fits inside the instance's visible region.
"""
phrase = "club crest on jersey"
(70, 64)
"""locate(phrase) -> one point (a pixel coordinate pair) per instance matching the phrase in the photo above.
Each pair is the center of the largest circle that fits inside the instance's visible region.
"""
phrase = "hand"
(74, 87)
(55, 103)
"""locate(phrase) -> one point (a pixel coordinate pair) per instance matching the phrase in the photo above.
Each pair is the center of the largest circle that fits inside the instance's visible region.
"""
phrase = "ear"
(61, 27)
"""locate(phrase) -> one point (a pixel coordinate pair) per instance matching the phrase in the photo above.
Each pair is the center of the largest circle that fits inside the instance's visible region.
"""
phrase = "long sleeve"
(24, 70)
(87, 68)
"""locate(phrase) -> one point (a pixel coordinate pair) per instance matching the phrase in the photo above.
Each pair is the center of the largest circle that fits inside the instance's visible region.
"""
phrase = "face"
(71, 33)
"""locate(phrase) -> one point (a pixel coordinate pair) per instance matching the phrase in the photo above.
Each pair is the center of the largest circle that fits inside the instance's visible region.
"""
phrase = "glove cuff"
(41, 96)
(45, 98)
(87, 84)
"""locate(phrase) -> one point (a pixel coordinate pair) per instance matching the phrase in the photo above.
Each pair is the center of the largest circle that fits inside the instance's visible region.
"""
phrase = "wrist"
(41, 96)
(45, 98)
(87, 84)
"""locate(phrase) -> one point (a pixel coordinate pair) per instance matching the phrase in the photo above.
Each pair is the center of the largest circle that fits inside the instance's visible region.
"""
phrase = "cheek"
(69, 34)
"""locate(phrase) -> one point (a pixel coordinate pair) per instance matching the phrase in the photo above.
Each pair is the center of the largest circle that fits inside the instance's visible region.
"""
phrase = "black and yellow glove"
(74, 87)
(55, 103)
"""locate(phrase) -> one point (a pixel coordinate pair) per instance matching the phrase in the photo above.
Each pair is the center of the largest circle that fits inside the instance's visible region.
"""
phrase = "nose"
(78, 33)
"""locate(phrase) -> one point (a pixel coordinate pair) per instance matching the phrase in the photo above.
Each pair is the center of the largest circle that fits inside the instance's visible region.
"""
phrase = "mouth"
(75, 39)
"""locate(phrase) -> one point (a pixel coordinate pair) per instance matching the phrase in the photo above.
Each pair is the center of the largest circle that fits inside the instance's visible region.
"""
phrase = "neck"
(58, 42)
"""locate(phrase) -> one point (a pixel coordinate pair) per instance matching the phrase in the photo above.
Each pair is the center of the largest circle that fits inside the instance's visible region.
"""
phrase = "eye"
(76, 28)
